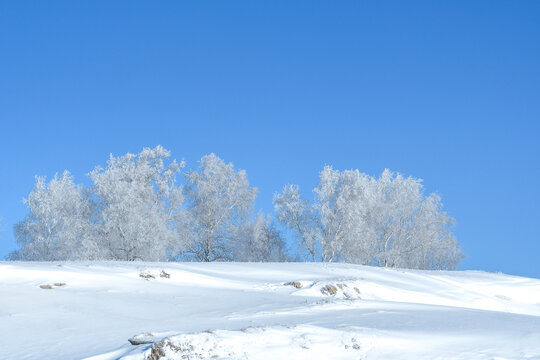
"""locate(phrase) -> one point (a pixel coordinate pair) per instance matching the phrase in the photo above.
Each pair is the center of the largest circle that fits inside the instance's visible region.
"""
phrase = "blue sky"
(445, 91)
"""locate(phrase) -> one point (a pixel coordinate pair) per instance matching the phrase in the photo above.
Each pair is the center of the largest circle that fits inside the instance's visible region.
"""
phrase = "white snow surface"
(249, 311)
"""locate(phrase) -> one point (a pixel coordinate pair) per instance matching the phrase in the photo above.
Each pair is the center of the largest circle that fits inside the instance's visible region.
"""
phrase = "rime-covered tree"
(139, 205)
(135, 211)
(429, 243)
(338, 207)
(386, 221)
(297, 215)
(259, 241)
(58, 225)
(219, 198)
(406, 228)
(325, 227)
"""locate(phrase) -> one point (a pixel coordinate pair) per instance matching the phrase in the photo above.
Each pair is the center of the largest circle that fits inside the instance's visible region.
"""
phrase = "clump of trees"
(135, 209)
(385, 221)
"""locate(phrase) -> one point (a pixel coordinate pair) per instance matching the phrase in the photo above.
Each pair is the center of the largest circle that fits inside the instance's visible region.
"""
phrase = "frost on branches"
(128, 214)
(219, 199)
(136, 210)
(259, 240)
(58, 226)
(139, 204)
(360, 219)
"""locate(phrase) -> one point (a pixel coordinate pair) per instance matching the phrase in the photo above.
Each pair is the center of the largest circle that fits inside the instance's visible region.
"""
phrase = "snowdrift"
(143, 311)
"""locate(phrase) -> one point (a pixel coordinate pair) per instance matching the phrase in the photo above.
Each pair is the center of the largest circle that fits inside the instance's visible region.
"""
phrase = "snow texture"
(263, 311)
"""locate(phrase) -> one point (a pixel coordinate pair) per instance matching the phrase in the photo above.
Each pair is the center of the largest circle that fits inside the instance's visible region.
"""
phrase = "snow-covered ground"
(263, 311)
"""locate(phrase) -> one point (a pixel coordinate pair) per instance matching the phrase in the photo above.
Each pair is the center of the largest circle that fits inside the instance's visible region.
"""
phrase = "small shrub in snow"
(146, 276)
(329, 290)
(296, 284)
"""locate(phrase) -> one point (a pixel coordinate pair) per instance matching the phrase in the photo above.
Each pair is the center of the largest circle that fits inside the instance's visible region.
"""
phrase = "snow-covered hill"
(263, 311)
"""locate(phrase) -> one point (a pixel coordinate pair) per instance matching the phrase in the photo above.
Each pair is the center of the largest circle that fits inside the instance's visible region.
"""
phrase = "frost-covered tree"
(259, 241)
(338, 207)
(386, 221)
(58, 225)
(430, 243)
(139, 205)
(325, 227)
(219, 198)
(406, 228)
(297, 215)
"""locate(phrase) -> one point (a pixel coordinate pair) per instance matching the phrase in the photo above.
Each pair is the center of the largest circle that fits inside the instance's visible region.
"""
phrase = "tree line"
(135, 209)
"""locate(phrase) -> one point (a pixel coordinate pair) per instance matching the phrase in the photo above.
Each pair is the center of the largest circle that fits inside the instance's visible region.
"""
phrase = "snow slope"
(249, 311)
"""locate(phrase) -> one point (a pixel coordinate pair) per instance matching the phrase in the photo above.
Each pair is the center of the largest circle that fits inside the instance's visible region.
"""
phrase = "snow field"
(253, 311)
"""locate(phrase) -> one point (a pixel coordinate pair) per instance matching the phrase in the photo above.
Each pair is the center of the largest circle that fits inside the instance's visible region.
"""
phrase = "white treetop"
(219, 198)
(385, 221)
(136, 211)
(139, 205)
(57, 226)
(295, 213)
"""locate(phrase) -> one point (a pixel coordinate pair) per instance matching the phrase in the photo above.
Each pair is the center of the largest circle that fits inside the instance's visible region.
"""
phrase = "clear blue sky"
(445, 91)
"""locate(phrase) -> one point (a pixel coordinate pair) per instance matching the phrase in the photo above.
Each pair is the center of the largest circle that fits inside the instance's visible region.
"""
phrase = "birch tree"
(297, 215)
(408, 229)
(58, 225)
(139, 205)
(219, 199)
(259, 241)
(357, 218)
